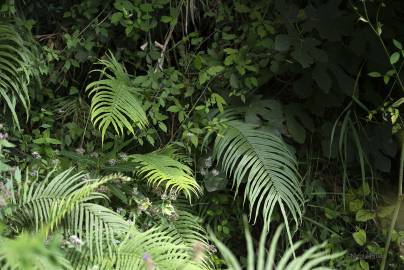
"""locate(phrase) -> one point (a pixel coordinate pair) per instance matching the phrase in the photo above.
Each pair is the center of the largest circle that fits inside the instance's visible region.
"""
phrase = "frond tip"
(114, 101)
(160, 169)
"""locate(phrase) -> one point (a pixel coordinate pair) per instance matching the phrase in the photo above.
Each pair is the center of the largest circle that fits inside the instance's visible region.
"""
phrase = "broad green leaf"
(355, 205)
(397, 44)
(360, 237)
(394, 58)
(364, 215)
(116, 17)
(215, 70)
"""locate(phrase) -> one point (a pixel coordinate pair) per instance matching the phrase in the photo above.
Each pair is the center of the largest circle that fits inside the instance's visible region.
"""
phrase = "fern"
(16, 69)
(64, 200)
(264, 259)
(152, 249)
(114, 101)
(159, 169)
(187, 230)
(266, 163)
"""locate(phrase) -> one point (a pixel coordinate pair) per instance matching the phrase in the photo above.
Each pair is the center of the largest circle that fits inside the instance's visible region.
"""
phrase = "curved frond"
(114, 101)
(187, 230)
(152, 249)
(265, 162)
(16, 69)
(65, 200)
(264, 259)
(34, 201)
(159, 169)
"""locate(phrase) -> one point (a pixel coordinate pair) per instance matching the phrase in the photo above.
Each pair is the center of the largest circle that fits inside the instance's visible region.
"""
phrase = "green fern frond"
(65, 200)
(16, 65)
(264, 259)
(187, 230)
(152, 249)
(160, 169)
(114, 101)
(261, 158)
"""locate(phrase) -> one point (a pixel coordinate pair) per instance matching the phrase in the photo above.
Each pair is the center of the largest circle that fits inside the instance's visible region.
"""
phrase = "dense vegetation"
(201, 134)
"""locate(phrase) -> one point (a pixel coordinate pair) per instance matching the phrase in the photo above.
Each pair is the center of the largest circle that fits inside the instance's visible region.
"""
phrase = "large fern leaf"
(114, 101)
(261, 159)
(160, 169)
(16, 69)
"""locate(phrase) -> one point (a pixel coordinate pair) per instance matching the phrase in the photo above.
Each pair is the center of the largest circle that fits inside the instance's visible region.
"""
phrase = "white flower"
(208, 162)
(123, 156)
(76, 241)
(36, 155)
(215, 172)
(112, 162)
(143, 47)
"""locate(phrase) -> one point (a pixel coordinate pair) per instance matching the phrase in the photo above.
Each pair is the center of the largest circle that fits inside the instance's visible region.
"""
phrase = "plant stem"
(396, 209)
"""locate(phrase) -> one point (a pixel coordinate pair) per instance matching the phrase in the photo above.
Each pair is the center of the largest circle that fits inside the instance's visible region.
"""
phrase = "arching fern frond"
(114, 101)
(264, 259)
(65, 201)
(159, 169)
(16, 69)
(187, 230)
(151, 249)
(264, 161)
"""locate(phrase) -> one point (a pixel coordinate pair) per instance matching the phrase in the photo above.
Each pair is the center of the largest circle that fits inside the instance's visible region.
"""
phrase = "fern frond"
(16, 65)
(261, 158)
(65, 200)
(114, 101)
(152, 249)
(35, 200)
(159, 169)
(264, 259)
(187, 230)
